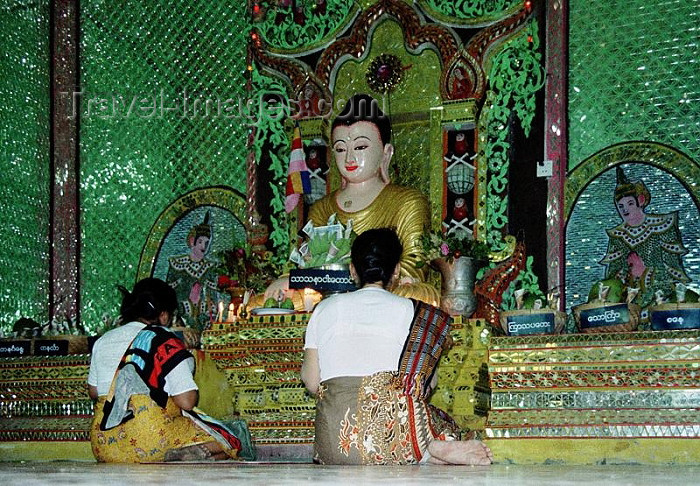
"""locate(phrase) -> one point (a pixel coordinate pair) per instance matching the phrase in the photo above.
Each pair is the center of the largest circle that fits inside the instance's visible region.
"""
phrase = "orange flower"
(344, 445)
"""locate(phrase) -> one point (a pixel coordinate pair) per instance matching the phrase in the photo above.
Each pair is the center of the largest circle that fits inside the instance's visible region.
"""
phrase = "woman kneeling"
(141, 379)
(369, 357)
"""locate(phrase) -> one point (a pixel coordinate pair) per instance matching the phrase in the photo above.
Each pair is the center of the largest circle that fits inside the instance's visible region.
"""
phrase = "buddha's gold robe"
(404, 209)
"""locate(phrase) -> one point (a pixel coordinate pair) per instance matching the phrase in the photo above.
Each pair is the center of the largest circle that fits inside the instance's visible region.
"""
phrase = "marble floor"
(270, 474)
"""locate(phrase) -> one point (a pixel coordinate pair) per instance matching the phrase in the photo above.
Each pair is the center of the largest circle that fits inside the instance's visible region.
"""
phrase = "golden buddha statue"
(360, 137)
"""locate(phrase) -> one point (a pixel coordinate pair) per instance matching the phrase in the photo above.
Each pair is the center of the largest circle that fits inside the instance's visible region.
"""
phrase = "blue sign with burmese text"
(20, 347)
(50, 347)
(669, 319)
(608, 315)
(520, 325)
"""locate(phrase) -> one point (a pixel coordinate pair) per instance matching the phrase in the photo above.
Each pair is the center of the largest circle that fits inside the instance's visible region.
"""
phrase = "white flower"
(368, 444)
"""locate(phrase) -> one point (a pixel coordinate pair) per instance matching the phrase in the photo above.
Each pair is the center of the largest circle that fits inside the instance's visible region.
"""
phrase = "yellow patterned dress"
(146, 437)
(137, 421)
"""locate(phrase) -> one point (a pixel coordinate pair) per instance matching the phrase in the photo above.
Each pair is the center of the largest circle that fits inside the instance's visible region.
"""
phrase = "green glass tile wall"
(634, 75)
(161, 85)
(24, 161)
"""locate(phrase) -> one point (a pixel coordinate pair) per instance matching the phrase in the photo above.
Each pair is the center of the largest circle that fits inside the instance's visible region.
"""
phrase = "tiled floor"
(75, 473)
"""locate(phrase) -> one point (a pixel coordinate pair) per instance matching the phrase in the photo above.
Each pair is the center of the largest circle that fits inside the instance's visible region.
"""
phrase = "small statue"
(554, 299)
(461, 87)
(315, 161)
(459, 225)
(460, 144)
(459, 212)
(460, 172)
(258, 233)
(309, 102)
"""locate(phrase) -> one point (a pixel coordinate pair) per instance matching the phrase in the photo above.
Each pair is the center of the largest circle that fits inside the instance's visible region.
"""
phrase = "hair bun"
(149, 298)
(374, 274)
(375, 254)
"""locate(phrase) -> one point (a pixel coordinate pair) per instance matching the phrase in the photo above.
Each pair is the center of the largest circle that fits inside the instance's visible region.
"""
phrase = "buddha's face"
(359, 152)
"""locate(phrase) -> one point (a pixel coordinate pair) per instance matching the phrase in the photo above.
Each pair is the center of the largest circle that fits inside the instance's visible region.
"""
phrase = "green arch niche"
(223, 198)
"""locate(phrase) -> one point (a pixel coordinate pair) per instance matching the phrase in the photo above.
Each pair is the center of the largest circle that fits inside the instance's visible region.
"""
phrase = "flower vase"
(457, 293)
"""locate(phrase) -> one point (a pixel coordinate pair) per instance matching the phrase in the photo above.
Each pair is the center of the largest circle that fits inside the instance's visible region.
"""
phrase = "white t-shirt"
(107, 352)
(359, 333)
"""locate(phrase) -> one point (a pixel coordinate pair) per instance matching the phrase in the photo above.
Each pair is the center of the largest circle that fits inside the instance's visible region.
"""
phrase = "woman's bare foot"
(208, 451)
(216, 451)
(469, 452)
(198, 452)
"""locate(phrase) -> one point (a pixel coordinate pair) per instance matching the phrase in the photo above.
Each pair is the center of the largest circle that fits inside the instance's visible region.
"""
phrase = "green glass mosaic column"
(24, 163)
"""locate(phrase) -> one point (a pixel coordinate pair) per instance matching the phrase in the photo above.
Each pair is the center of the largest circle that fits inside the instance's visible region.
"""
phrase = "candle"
(246, 297)
(231, 313)
(220, 314)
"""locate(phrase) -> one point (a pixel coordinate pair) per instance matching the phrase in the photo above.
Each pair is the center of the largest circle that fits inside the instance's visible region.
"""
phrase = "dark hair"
(375, 254)
(362, 107)
(150, 297)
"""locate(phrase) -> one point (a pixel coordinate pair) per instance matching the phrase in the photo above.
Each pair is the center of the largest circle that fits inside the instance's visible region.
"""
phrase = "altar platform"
(622, 398)
(618, 398)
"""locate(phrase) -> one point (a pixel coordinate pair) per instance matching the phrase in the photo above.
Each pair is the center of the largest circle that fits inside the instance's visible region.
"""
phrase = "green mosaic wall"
(24, 161)
(633, 75)
(162, 81)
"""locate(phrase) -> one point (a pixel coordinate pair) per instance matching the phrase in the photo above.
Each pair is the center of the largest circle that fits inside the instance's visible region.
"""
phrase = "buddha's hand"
(278, 288)
(418, 290)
